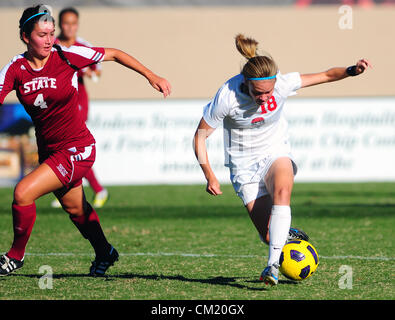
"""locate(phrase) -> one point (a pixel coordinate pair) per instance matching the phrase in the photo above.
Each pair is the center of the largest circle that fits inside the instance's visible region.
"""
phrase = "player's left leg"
(87, 222)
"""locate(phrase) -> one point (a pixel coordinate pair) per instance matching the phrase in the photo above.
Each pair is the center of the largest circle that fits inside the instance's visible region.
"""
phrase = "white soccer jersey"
(251, 132)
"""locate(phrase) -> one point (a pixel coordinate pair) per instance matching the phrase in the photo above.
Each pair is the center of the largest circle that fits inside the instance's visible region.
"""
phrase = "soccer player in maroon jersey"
(45, 78)
(68, 23)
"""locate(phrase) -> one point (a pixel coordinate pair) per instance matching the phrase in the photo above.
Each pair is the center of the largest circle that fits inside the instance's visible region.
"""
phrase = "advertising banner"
(336, 139)
(150, 141)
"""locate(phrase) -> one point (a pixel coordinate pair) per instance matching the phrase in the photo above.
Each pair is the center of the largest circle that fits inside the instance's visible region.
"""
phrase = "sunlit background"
(337, 130)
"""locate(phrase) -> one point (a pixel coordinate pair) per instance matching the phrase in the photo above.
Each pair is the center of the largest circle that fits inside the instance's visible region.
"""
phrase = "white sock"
(280, 222)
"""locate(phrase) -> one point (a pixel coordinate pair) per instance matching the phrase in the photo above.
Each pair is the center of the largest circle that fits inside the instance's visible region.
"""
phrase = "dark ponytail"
(63, 57)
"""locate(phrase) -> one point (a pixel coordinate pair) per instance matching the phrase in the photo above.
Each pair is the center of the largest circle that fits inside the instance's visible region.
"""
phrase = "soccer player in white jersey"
(257, 150)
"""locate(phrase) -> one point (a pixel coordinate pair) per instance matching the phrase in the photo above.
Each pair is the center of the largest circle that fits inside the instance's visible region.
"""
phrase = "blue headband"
(264, 78)
(35, 15)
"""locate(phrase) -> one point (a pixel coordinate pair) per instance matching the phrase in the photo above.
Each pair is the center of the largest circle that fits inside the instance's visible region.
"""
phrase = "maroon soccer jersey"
(82, 43)
(50, 96)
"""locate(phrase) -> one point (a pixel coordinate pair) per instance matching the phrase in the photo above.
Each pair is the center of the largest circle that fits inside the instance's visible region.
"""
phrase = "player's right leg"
(260, 211)
(279, 183)
(40, 181)
(271, 213)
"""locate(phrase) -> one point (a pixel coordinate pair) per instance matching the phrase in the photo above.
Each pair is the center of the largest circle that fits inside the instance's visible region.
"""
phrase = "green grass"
(349, 224)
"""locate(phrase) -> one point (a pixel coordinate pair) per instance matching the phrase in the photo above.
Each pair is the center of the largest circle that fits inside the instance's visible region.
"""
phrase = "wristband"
(352, 71)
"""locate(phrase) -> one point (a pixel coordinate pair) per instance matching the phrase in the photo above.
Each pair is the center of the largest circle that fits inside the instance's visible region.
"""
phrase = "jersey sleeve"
(82, 57)
(290, 83)
(215, 111)
(7, 81)
(86, 43)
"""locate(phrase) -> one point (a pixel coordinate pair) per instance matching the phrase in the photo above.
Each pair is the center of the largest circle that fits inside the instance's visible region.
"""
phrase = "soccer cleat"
(100, 198)
(8, 265)
(270, 274)
(295, 233)
(100, 265)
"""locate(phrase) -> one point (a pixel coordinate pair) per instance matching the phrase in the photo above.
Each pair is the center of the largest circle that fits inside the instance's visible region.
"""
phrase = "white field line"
(198, 255)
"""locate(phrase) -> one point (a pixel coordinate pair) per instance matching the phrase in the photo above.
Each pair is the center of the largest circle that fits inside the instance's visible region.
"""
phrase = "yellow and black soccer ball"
(298, 260)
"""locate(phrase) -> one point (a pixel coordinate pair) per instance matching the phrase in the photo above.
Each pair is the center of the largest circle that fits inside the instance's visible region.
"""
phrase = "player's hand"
(160, 84)
(213, 187)
(362, 65)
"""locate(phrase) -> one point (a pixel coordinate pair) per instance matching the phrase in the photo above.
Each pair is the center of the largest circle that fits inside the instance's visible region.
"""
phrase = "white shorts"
(250, 184)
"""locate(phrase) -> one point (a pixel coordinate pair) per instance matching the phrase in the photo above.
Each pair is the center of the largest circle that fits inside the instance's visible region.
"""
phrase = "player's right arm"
(213, 116)
(199, 144)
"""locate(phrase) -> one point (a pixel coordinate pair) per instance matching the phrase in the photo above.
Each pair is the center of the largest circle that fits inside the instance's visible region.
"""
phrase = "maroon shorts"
(71, 165)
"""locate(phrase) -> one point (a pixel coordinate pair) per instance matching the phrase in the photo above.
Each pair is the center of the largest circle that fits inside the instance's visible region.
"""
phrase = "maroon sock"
(96, 186)
(23, 221)
(89, 226)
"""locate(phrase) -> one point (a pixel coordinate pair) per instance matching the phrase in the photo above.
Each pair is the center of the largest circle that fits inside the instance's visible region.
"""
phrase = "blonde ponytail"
(256, 66)
(248, 47)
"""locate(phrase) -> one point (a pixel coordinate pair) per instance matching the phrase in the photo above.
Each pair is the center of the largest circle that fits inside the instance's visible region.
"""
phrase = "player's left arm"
(130, 62)
(334, 74)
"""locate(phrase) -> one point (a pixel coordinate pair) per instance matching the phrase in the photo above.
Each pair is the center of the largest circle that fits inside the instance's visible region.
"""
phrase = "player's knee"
(22, 195)
(73, 210)
(282, 195)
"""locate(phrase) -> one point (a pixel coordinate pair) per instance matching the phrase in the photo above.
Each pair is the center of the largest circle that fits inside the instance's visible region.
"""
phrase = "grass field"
(177, 242)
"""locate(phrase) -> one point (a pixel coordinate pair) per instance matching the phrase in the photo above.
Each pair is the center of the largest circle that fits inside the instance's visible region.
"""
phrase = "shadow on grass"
(222, 281)
(279, 281)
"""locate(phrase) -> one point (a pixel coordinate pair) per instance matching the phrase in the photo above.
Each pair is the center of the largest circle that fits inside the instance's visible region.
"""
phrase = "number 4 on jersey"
(39, 102)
